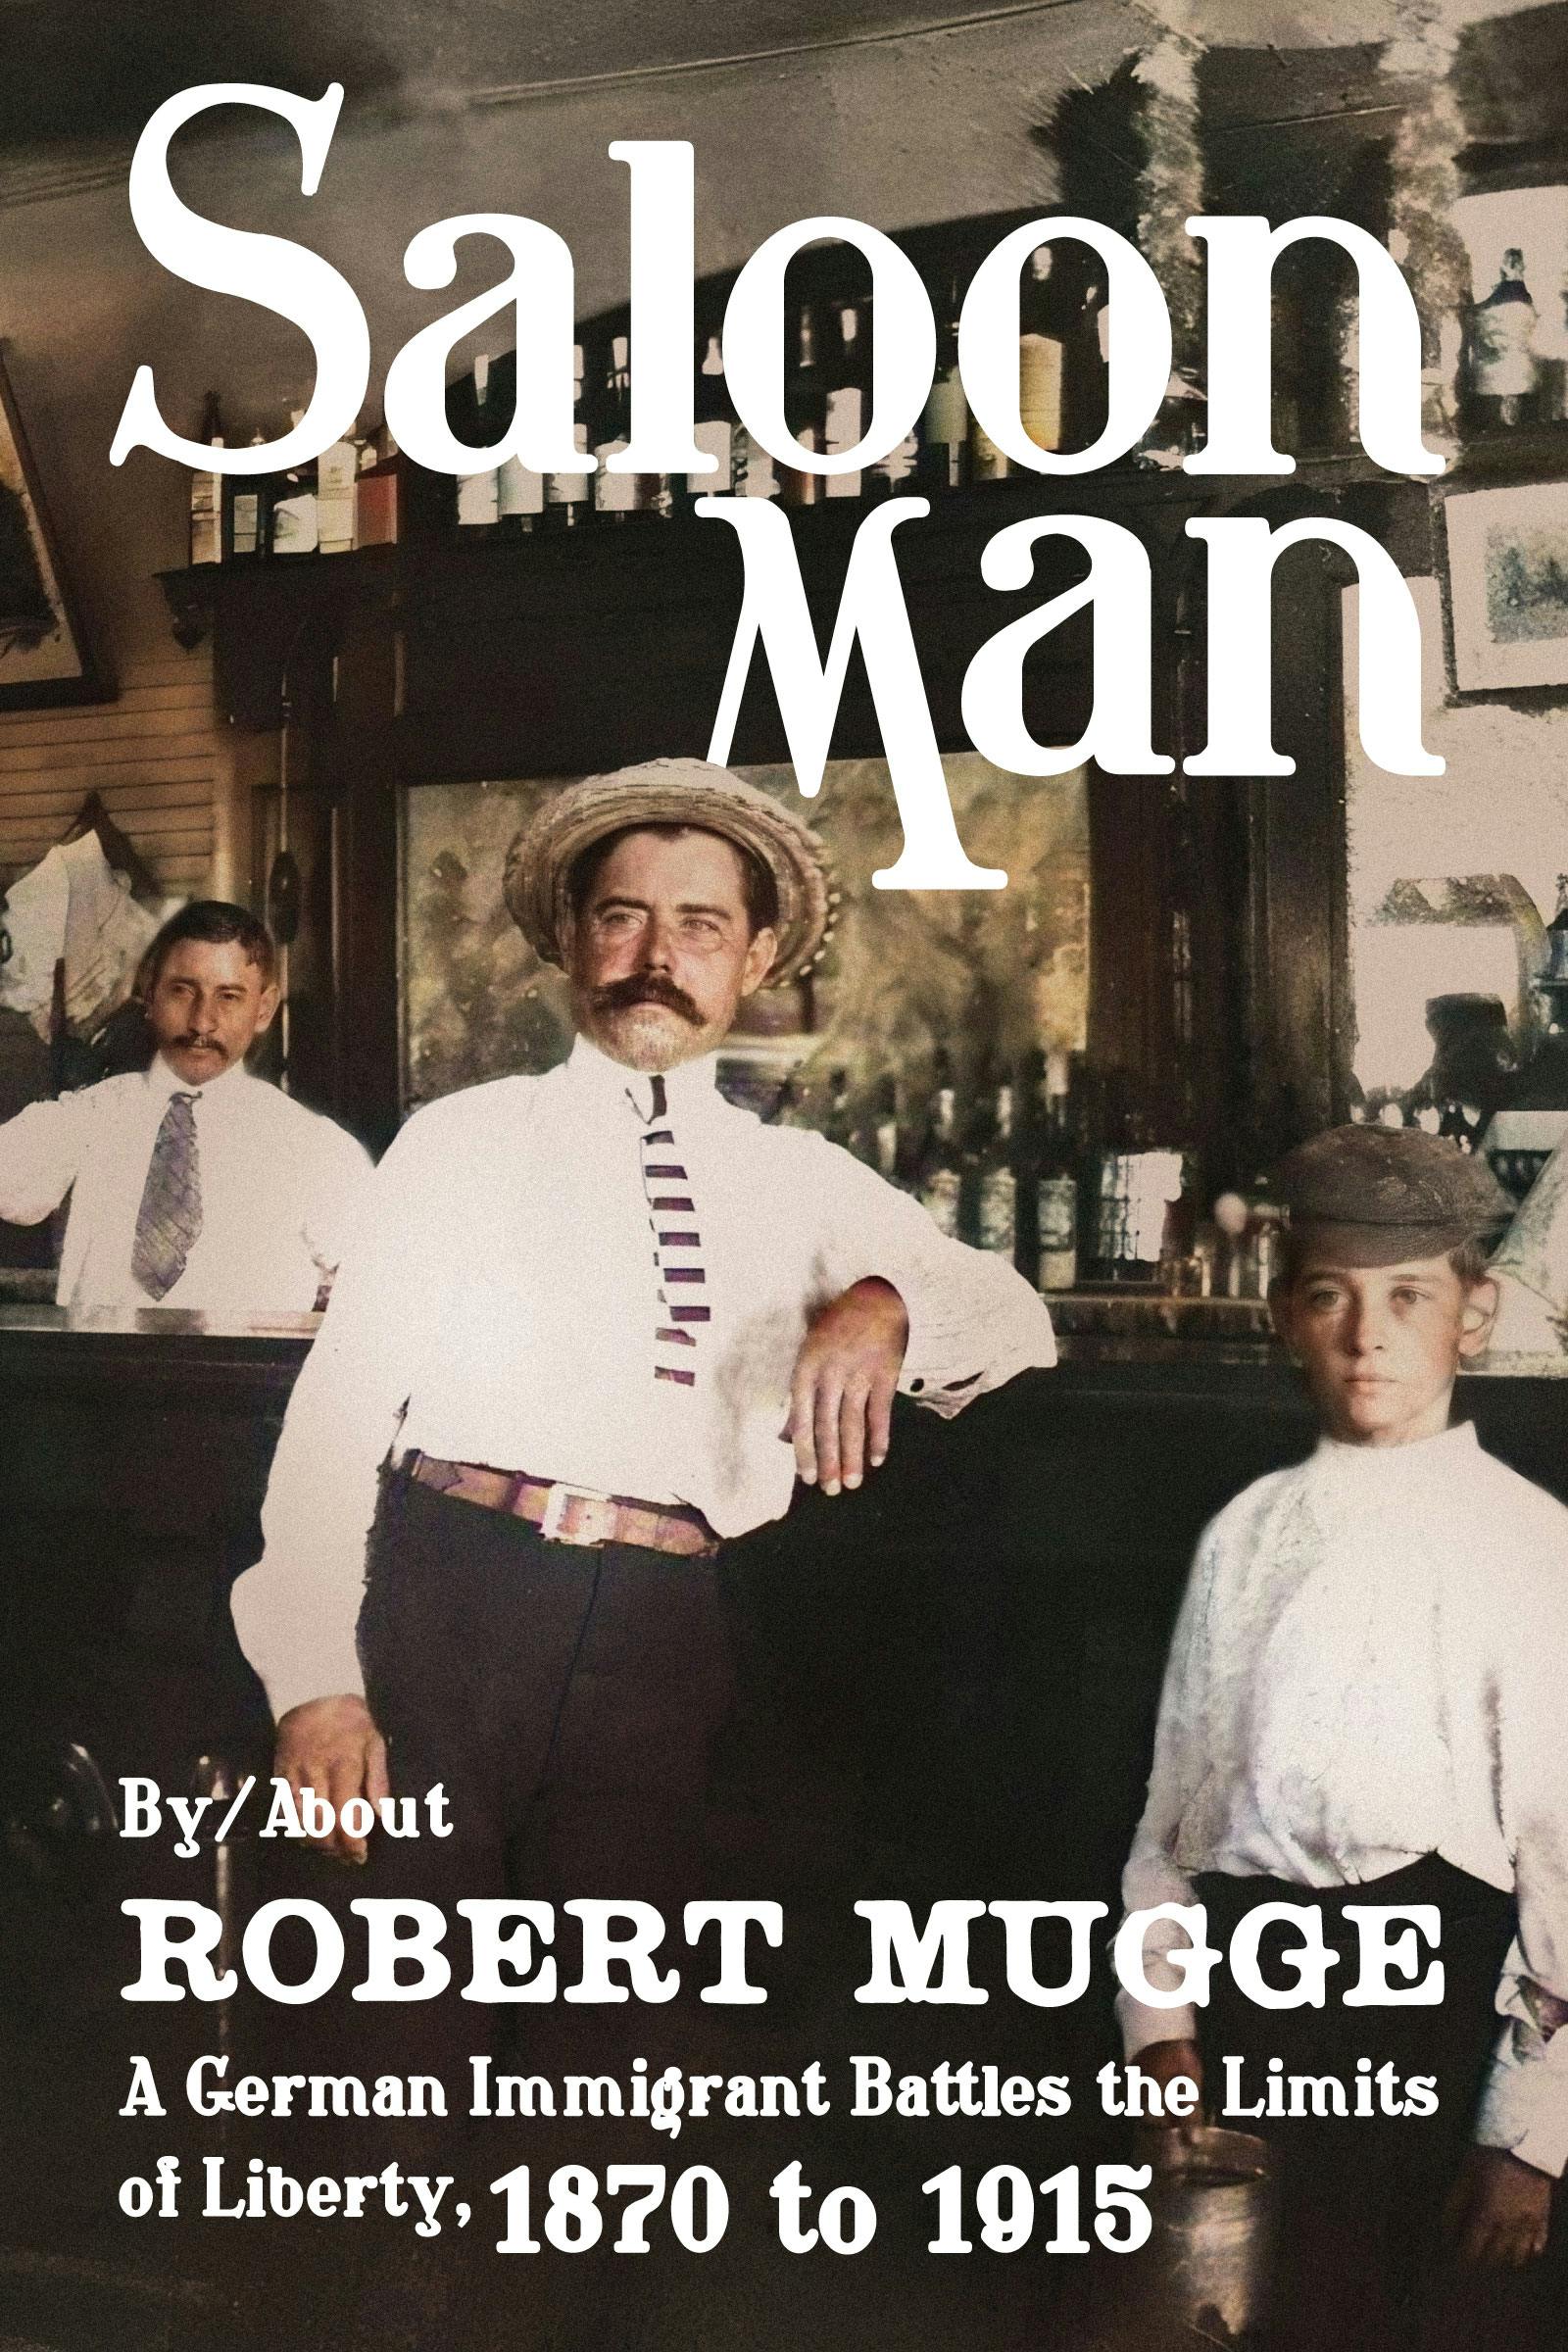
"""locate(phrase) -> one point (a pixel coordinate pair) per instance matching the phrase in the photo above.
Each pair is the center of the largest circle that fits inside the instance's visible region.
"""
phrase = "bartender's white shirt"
(501, 1303)
(281, 1190)
(1371, 1664)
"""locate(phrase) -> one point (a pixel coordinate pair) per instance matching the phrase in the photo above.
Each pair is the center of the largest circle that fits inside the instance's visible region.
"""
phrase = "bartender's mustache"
(207, 1044)
(645, 988)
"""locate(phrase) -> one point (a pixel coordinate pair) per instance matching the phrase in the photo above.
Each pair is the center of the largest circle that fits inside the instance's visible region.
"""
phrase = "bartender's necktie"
(677, 1248)
(171, 1214)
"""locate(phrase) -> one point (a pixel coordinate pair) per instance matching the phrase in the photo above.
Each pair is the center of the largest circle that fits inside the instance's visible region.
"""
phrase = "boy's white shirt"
(1371, 1664)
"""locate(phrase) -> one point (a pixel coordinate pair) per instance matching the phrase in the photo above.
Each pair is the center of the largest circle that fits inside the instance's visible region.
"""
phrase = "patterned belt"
(566, 1514)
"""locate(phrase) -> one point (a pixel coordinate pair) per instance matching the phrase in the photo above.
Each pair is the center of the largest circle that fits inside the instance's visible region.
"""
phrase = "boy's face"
(1381, 1345)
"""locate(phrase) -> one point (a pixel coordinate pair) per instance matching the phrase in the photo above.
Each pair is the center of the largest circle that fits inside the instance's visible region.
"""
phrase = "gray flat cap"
(1381, 1194)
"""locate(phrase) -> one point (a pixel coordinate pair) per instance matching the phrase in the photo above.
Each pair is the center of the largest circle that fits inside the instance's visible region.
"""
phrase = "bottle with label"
(939, 1172)
(569, 497)
(520, 491)
(1056, 1178)
(838, 1123)
(379, 501)
(247, 513)
(995, 1177)
(622, 497)
(848, 380)
(295, 514)
(475, 418)
(337, 471)
(715, 432)
(207, 493)
(887, 1154)
(1043, 321)
(805, 413)
(894, 472)
(944, 459)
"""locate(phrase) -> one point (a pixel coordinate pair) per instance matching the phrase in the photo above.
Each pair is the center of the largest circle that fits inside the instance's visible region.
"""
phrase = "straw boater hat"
(671, 792)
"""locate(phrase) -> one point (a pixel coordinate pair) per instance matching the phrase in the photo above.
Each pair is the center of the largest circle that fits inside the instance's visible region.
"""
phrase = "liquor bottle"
(805, 413)
(756, 472)
(986, 463)
(887, 1140)
(1087, 390)
(1043, 320)
(892, 474)
(520, 491)
(622, 497)
(945, 427)
(569, 497)
(474, 416)
(994, 1180)
(337, 472)
(1056, 1178)
(938, 1174)
(378, 493)
(247, 513)
(716, 431)
(837, 1124)
(1503, 370)
(296, 529)
(847, 377)
(615, 494)
(207, 493)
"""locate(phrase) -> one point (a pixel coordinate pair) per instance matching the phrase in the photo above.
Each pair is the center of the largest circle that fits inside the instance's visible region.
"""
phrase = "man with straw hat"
(596, 1323)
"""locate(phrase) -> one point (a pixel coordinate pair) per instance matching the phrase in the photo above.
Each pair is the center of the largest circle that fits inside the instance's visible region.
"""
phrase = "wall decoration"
(1516, 326)
(1508, 586)
(42, 659)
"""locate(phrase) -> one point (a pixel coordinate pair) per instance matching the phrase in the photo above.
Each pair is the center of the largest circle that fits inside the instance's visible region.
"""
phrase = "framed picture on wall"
(42, 655)
(1508, 586)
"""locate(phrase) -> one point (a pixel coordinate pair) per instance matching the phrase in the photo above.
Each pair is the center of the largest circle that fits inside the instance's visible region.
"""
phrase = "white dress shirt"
(499, 1306)
(280, 1188)
(1370, 1665)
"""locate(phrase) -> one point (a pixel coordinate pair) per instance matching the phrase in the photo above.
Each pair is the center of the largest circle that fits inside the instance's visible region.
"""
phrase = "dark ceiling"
(96, 72)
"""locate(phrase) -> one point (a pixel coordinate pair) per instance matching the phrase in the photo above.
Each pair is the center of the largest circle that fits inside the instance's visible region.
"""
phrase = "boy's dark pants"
(1363, 2261)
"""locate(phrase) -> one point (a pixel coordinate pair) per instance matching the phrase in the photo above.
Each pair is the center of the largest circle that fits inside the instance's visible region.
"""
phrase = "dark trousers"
(1363, 2261)
(568, 1699)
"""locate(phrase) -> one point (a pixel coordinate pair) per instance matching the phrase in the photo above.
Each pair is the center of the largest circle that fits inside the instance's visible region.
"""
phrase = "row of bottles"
(358, 493)
(827, 406)
(362, 492)
(1002, 1171)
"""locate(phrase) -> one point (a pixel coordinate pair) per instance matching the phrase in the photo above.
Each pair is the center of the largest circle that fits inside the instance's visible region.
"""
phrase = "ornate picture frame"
(1507, 567)
(44, 658)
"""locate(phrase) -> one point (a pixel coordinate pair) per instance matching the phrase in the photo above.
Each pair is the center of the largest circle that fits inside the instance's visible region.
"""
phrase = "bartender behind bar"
(191, 1184)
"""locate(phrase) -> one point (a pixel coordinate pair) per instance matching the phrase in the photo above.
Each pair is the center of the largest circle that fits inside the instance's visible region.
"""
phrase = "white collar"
(1385, 1469)
(165, 1082)
(689, 1089)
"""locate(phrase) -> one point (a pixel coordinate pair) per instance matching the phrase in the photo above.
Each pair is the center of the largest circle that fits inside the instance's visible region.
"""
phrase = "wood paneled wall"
(158, 758)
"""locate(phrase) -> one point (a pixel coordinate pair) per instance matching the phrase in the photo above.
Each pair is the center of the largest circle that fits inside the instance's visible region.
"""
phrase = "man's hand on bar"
(332, 1745)
(846, 1378)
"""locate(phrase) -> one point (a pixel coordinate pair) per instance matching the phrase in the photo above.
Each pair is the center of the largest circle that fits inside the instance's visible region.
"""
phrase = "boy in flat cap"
(1364, 1703)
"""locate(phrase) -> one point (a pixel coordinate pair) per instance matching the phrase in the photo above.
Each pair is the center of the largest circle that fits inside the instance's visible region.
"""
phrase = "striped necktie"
(171, 1214)
(677, 1248)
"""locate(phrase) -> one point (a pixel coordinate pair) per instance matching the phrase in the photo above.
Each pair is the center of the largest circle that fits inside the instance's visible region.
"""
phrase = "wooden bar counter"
(973, 1641)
